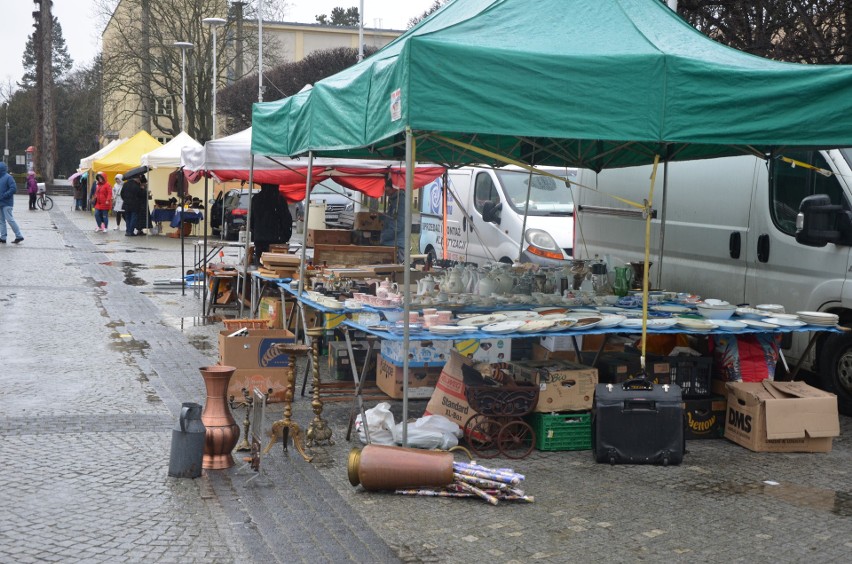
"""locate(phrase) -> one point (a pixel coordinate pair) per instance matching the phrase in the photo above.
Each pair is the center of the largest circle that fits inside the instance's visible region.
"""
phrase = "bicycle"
(44, 202)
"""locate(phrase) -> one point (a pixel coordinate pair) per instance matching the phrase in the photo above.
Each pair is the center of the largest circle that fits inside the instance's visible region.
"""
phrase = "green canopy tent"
(559, 82)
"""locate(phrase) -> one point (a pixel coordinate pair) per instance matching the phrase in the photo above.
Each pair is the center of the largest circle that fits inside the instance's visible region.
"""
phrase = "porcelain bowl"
(716, 312)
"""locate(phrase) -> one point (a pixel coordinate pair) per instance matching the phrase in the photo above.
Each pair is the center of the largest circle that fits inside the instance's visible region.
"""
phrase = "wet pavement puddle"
(837, 502)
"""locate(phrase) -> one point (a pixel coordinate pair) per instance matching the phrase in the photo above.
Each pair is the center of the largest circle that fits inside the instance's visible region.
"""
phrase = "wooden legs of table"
(318, 431)
(286, 428)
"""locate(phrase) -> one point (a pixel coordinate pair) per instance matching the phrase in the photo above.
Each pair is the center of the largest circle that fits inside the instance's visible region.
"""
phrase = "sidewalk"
(98, 359)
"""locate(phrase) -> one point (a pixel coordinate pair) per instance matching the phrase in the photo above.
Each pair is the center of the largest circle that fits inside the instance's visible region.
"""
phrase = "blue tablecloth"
(160, 215)
(188, 217)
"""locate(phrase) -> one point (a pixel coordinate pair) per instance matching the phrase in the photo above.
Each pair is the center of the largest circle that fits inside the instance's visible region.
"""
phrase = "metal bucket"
(188, 438)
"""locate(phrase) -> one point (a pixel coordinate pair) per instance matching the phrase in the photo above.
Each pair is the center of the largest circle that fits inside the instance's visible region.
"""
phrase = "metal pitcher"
(188, 438)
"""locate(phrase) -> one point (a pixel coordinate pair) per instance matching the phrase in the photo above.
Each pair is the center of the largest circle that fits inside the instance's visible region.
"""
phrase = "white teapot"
(426, 285)
(454, 284)
(487, 285)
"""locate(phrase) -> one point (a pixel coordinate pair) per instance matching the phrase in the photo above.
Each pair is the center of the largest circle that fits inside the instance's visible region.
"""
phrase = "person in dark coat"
(133, 197)
(271, 221)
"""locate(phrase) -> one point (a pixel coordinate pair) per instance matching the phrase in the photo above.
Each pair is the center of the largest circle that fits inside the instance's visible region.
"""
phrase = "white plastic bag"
(430, 431)
(381, 424)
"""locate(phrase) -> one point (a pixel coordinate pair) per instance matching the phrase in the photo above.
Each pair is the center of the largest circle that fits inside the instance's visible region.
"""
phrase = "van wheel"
(835, 370)
(507, 260)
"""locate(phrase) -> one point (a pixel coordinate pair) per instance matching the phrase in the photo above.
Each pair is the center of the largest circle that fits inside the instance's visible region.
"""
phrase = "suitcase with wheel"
(638, 422)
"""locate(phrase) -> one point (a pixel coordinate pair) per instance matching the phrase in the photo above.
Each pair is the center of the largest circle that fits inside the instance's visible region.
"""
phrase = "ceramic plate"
(730, 324)
(446, 329)
(586, 322)
(536, 325)
(611, 320)
(696, 324)
(481, 320)
(657, 323)
(520, 314)
(784, 322)
(758, 324)
(672, 309)
(750, 312)
(508, 326)
(818, 317)
(611, 309)
(770, 308)
(562, 324)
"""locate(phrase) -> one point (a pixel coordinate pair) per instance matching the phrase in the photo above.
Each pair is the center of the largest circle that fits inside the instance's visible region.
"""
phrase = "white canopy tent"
(169, 155)
(87, 162)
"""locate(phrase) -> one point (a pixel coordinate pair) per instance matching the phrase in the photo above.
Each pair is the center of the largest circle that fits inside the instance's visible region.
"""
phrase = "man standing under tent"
(133, 197)
(393, 224)
(271, 222)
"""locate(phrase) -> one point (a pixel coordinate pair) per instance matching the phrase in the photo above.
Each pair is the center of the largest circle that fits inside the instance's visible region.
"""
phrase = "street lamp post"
(6, 146)
(214, 23)
(183, 46)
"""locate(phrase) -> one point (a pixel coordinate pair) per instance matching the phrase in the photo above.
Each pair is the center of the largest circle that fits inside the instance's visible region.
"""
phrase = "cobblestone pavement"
(98, 355)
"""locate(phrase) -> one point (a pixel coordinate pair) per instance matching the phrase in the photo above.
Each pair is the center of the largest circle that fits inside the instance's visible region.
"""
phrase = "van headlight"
(542, 244)
(350, 206)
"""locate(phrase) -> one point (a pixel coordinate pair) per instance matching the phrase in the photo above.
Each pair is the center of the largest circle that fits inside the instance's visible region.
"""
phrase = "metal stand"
(286, 427)
(358, 401)
(318, 431)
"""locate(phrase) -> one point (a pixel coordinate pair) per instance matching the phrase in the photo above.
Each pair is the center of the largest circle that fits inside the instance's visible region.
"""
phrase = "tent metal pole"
(248, 233)
(204, 260)
(406, 276)
(182, 259)
(307, 212)
(526, 214)
(663, 223)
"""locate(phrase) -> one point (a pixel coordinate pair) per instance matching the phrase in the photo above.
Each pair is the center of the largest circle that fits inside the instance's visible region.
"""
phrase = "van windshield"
(548, 196)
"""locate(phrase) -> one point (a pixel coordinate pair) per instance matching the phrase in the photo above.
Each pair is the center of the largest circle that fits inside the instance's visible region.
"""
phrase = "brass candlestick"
(286, 427)
(247, 403)
(318, 431)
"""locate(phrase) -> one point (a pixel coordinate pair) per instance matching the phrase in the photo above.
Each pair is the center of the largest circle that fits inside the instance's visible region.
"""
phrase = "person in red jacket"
(102, 202)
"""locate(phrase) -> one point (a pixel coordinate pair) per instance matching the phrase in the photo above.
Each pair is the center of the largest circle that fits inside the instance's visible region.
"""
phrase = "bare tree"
(45, 142)
(142, 74)
(806, 31)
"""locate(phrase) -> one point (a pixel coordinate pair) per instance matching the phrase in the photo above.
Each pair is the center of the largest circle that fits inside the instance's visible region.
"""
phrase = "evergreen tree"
(343, 17)
(62, 62)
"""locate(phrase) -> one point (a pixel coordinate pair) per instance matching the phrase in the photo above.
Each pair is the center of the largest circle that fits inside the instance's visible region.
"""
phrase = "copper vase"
(222, 431)
(379, 467)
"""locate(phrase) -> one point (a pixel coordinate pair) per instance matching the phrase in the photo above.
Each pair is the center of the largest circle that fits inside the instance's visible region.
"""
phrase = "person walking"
(7, 201)
(143, 216)
(32, 188)
(132, 197)
(102, 202)
(271, 221)
(79, 194)
(117, 202)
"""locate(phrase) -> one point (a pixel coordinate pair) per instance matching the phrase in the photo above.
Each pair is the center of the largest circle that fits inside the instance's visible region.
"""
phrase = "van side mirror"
(820, 222)
(491, 212)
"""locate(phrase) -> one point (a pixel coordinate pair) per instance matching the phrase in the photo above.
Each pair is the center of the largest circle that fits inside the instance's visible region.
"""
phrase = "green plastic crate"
(562, 431)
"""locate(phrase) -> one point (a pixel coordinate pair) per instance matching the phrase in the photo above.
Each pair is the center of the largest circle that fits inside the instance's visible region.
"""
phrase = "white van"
(485, 216)
(730, 232)
(341, 203)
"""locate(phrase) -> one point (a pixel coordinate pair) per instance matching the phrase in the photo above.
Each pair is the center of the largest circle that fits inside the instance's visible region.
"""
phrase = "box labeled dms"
(255, 349)
(781, 417)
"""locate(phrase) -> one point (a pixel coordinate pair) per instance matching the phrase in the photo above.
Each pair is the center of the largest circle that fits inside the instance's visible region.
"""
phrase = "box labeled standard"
(255, 349)
(781, 417)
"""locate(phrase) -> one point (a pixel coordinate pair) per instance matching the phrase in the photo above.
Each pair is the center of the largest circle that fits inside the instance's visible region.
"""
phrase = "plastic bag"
(381, 424)
(430, 431)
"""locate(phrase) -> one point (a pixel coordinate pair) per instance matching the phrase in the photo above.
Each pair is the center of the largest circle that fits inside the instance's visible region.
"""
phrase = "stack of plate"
(818, 318)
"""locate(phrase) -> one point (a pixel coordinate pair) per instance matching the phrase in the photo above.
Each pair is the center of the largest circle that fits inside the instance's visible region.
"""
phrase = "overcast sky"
(83, 37)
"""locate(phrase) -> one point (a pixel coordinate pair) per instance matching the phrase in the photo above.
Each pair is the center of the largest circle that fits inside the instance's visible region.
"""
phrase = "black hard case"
(638, 422)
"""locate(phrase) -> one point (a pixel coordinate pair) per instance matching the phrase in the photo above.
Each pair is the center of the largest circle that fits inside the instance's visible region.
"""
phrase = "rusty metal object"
(246, 403)
(222, 431)
(379, 467)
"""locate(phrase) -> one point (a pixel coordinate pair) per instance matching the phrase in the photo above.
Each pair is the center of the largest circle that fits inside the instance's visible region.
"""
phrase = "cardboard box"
(420, 353)
(705, 418)
(557, 343)
(560, 342)
(261, 378)
(368, 221)
(781, 417)
(485, 350)
(270, 308)
(421, 380)
(254, 350)
(538, 352)
(563, 385)
(339, 365)
(448, 399)
(328, 237)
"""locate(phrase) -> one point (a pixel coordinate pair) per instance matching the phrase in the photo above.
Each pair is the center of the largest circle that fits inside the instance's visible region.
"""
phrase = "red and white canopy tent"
(230, 158)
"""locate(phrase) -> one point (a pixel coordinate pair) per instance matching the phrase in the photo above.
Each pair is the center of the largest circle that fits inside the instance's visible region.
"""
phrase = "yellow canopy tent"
(126, 156)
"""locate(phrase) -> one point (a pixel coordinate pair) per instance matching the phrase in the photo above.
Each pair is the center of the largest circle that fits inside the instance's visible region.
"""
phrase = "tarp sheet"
(582, 83)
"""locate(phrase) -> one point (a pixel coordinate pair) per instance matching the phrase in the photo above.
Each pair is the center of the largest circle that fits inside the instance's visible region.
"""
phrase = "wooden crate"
(368, 221)
(328, 237)
(353, 255)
